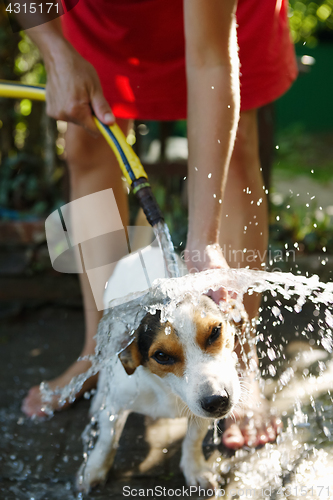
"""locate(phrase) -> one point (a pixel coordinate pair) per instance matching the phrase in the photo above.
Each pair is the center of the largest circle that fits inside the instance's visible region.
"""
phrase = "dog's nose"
(216, 404)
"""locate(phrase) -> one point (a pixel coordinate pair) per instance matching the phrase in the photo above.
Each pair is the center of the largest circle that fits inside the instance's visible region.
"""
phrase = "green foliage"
(300, 228)
(303, 153)
(308, 18)
(22, 186)
(28, 65)
(31, 172)
(302, 224)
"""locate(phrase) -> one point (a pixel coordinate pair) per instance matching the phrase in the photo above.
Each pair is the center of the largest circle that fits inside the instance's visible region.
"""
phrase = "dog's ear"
(130, 357)
(136, 353)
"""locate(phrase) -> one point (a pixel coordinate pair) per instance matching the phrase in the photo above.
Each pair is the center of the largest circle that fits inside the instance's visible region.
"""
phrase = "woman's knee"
(86, 153)
(81, 149)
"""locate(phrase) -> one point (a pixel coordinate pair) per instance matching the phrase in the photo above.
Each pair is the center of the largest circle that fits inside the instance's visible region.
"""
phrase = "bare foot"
(32, 404)
(253, 424)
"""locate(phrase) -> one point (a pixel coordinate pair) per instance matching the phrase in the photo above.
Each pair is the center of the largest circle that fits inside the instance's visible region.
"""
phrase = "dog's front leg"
(195, 468)
(101, 458)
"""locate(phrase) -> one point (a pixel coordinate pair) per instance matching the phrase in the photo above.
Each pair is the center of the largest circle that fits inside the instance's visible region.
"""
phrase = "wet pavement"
(39, 459)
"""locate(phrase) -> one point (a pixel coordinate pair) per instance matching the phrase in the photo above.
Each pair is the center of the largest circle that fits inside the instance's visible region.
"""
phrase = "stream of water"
(163, 236)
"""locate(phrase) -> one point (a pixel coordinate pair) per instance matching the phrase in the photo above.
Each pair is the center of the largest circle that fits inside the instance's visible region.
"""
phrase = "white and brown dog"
(187, 362)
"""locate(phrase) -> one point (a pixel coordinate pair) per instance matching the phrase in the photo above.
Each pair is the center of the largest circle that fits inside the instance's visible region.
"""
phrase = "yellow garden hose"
(128, 160)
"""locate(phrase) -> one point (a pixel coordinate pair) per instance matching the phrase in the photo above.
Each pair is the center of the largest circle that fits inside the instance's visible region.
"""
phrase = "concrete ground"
(41, 332)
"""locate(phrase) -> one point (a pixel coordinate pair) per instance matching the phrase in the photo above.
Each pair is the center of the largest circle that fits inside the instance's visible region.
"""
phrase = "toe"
(250, 436)
(32, 403)
(262, 437)
(271, 434)
(277, 425)
(267, 433)
(232, 437)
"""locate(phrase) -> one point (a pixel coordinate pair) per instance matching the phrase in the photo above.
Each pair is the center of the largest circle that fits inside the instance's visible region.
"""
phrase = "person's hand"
(202, 257)
(73, 90)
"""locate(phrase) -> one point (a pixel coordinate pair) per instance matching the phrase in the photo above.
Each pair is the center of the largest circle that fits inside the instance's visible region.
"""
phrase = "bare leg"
(93, 167)
(245, 208)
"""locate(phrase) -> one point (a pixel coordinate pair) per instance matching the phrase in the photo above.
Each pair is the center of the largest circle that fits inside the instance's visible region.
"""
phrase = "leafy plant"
(309, 18)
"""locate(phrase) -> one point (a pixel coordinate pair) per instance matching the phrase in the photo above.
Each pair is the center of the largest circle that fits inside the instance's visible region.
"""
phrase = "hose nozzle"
(143, 192)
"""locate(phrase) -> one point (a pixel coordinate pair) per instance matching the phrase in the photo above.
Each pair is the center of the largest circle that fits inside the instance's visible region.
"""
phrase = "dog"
(186, 362)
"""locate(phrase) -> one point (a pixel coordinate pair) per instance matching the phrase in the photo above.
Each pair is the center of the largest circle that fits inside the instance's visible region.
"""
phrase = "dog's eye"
(163, 359)
(216, 332)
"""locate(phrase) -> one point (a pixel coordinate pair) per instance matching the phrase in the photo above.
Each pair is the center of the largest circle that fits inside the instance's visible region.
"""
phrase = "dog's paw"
(199, 474)
(89, 477)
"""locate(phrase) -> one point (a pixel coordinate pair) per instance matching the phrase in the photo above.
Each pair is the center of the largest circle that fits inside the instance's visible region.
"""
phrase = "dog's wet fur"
(187, 363)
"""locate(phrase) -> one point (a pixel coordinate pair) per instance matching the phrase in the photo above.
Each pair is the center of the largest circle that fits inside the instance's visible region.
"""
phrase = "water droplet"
(209, 176)
(327, 432)
(327, 343)
(271, 354)
(253, 367)
(167, 330)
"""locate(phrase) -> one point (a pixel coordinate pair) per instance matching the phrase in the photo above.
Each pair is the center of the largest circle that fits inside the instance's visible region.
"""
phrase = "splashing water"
(300, 463)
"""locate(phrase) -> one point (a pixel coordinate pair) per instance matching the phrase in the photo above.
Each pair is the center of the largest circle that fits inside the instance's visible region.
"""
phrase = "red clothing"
(137, 48)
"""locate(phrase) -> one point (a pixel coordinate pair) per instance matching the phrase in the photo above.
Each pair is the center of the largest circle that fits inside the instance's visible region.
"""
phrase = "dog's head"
(193, 354)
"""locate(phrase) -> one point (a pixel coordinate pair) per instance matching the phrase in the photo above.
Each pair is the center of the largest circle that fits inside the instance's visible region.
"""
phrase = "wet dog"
(185, 363)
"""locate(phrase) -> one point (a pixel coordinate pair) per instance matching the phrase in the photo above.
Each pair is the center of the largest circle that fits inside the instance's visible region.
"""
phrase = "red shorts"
(137, 48)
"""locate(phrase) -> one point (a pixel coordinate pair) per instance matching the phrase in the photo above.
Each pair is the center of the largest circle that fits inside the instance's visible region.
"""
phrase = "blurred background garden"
(296, 143)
